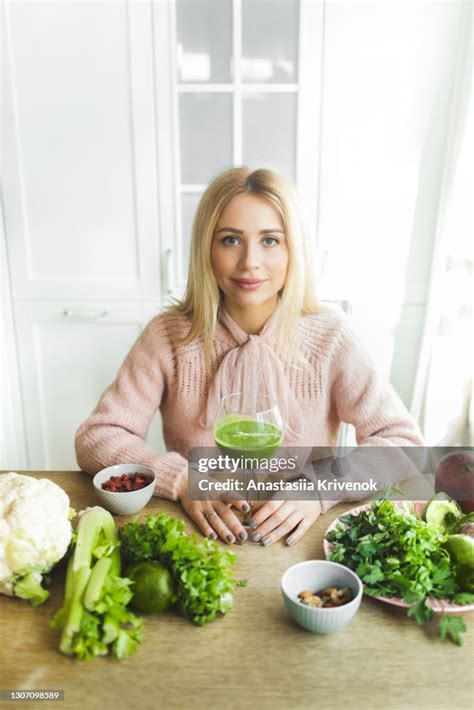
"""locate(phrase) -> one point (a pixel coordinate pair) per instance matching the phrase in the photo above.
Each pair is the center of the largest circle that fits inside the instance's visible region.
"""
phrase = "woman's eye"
(230, 241)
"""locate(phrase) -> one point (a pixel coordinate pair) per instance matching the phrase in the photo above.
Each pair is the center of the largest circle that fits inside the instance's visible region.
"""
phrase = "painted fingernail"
(242, 535)
(252, 524)
(212, 535)
(256, 537)
(230, 538)
(245, 507)
(266, 541)
(290, 541)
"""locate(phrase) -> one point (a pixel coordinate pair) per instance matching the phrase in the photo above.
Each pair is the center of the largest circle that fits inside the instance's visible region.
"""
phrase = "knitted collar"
(253, 367)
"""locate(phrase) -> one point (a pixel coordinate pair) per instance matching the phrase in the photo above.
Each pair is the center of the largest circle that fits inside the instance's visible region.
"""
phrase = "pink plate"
(436, 604)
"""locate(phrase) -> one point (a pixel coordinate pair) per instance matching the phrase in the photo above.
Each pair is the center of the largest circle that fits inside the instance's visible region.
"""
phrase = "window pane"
(269, 132)
(205, 136)
(189, 203)
(270, 41)
(204, 40)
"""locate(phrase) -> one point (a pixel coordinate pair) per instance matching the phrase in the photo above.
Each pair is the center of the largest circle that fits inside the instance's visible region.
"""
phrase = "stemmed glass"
(248, 425)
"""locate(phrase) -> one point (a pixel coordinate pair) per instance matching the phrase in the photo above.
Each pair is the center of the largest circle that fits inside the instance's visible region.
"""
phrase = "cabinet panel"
(69, 354)
(80, 185)
(72, 99)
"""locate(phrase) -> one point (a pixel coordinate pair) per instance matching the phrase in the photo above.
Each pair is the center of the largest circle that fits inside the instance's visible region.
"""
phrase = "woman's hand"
(277, 518)
(215, 518)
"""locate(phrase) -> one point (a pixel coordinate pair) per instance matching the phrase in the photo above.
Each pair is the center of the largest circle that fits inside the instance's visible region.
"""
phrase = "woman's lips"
(248, 284)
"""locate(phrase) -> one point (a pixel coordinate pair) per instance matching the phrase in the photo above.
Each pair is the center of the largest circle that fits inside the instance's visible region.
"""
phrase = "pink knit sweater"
(342, 385)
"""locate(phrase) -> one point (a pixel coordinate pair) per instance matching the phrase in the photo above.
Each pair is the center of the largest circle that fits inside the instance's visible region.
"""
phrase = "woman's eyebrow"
(240, 231)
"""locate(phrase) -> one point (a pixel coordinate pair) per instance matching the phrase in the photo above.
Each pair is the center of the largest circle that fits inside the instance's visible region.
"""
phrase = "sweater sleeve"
(114, 433)
(364, 399)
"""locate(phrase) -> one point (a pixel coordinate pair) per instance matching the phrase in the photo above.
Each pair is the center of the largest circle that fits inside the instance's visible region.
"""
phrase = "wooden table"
(255, 657)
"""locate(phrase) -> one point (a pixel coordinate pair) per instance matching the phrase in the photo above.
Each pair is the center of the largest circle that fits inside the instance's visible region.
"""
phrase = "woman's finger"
(301, 530)
(273, 521)
(267, 509)
(198, 513)
(231, 521)
(239, 504)
(201, 521)
(284, 528)
(219, 526)
(207, 516)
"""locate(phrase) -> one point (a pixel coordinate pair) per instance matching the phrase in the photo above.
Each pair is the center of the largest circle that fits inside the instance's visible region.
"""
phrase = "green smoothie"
(250, 438)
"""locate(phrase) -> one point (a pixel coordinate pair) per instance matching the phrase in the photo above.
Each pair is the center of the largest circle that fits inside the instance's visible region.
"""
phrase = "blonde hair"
(202, 296)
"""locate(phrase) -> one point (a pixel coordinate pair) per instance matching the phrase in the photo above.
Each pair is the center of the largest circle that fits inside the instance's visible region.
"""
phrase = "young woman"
(248, 319)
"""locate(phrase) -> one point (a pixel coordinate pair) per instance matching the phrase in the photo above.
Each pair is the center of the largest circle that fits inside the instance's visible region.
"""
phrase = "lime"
(441, 511)
(153, 588)
(461, 549)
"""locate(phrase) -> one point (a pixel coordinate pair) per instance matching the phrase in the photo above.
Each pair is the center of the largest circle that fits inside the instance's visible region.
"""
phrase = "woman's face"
(249, 252)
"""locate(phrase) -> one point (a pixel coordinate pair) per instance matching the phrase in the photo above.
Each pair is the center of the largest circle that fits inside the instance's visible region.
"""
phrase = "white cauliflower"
(35, 532)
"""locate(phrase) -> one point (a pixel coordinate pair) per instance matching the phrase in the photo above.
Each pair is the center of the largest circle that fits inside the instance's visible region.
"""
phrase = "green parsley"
(452, 626)
(397, 554)
(202, 571)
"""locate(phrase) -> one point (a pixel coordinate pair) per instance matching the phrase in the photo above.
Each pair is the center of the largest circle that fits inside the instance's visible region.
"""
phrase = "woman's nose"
(250, 257)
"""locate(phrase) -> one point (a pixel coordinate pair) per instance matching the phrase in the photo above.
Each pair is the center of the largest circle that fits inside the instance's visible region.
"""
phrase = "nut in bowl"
(120, 477)
(321, 576)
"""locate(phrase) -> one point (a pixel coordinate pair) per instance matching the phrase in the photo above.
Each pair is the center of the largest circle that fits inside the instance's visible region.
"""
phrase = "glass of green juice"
(249, 426)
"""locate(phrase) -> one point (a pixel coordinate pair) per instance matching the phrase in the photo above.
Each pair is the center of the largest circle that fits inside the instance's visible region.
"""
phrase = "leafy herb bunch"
(202, 571)
(397, 554)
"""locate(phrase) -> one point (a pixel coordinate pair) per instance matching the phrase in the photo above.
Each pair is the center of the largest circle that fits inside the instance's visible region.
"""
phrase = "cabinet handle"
(84, 314)
(168, 271)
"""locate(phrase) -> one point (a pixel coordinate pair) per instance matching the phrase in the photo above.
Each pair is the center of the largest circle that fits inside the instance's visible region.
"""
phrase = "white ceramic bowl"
(313, 576)
(124, 503)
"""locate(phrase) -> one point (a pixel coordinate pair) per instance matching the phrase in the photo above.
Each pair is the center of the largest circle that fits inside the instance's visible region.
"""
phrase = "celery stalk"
(111, 628)
(116, 566)
(76, 609)
(94, 618)
(94, 587)
(60, 617)
(94, 523)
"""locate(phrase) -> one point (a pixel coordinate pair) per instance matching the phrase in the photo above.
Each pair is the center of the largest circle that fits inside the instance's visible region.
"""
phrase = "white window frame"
(167, 91)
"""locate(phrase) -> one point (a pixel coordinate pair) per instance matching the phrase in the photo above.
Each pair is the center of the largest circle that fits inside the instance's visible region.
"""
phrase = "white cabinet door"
(79, 139)
(68, 354)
